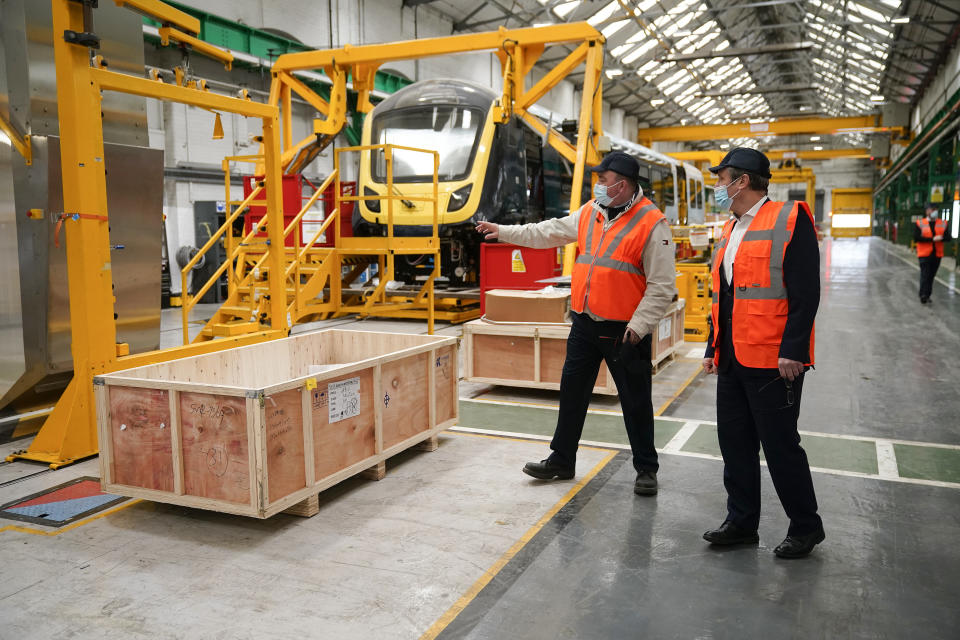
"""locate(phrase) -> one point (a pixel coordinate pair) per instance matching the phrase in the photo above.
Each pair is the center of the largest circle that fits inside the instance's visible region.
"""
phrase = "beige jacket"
(658, 261)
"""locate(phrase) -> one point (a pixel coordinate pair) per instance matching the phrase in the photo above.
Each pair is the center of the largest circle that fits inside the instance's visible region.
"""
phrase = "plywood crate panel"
(257, 429)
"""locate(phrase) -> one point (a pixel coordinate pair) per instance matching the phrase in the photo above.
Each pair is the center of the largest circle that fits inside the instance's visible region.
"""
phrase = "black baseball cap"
(745, 158)
(931, 205)
(620, 162)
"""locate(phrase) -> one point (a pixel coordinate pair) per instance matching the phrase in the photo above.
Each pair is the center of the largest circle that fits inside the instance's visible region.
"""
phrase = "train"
(499, 172)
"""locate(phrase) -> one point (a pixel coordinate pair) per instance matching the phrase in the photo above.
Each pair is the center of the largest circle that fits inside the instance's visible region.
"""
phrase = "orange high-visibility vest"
(924, 249)
(759, 294)
(608, 279)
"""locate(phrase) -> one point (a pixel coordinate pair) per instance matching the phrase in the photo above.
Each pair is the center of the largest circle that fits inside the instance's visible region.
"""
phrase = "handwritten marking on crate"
(344, 399)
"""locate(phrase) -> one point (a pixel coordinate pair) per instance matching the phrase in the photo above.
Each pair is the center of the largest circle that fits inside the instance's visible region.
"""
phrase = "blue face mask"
(600, 193)
(934, 215)
(724, 200)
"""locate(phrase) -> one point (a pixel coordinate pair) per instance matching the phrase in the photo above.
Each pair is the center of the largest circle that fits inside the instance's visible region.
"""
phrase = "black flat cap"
(747, 159)
(620, 162)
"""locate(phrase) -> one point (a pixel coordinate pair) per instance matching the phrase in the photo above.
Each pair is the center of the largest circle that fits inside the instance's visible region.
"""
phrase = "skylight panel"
(562, 10)
(648, 66)
(646, 5)
(639, 51)
(612, 28)
(894, 4)
(868, 12)
(603, 14)
(616, 52)
(684, 101)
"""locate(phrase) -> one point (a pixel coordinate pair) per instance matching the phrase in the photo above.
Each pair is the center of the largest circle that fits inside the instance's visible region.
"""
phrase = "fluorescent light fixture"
(814, 138)
(725, 146)
(4, 139)
(656, 102)
(901, 20)
(542, 24)
(818, 148)
(876, 98)
(612, 73)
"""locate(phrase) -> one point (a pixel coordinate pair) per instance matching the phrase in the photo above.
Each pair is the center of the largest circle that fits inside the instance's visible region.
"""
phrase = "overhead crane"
(828, 126)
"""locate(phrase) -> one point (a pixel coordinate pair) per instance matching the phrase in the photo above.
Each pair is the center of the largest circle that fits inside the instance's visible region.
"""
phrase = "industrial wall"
(944, 85)
(185, 133)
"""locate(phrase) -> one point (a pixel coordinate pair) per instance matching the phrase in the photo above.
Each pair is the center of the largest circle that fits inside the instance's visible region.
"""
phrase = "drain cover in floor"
(62, 504)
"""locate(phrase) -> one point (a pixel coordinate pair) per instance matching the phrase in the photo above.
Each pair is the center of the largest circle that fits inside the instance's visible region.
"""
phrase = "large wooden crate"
(532, 355)
(258, 429)
(521, 355)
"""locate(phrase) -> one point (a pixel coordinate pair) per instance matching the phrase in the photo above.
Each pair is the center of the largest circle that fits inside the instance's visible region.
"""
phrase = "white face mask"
(934, 215)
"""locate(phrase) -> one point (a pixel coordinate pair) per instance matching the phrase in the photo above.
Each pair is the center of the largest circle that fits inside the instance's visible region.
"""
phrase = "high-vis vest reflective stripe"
(608, 279)
(924, 249)
(759, 295)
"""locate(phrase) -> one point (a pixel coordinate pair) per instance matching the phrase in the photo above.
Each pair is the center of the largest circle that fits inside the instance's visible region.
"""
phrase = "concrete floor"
(458, 543)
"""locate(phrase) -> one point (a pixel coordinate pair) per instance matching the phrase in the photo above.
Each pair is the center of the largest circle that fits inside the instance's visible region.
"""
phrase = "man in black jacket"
(766, 281)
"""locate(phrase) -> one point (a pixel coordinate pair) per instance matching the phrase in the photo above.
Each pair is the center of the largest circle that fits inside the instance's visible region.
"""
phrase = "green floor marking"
(543, 420)
(822, 451)
(928, 463)
(840, 453)
(703, 440)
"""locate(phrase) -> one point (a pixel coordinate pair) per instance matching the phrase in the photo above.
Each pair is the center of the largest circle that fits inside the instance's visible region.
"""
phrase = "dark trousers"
(928, 271)
(591, 342)
(755, 408)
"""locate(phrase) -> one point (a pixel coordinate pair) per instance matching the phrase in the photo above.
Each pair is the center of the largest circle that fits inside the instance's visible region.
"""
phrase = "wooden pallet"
(252, 431)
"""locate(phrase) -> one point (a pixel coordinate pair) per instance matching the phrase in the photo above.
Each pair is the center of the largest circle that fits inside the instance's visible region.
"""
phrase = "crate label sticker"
(516, 262)
(665, 329)
(344, 399)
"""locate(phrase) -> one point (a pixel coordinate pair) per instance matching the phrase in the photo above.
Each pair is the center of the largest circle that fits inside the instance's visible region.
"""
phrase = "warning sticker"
(516, 263)
(344, 399)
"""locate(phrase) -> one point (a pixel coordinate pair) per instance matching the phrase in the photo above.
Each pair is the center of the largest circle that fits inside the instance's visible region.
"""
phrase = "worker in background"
(766, 279)
(929, 234)
(622, 283)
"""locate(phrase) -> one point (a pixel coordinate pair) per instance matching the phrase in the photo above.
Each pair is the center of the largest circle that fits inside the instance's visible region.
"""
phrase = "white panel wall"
(936, 95)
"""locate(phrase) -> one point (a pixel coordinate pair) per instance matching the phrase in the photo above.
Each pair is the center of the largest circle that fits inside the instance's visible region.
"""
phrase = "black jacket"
(801, 275)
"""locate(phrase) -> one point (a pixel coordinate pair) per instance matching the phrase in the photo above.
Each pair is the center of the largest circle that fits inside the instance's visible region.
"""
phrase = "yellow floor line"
(490, 573)
(686, 384)
(74, 525)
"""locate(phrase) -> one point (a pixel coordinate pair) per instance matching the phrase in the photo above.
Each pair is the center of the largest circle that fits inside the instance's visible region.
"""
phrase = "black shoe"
(799, 546)
(924, 299)
(729, 533)
(646, 483)
(548, 470)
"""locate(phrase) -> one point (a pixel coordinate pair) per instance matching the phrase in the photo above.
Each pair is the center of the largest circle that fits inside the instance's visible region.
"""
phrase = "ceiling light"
(656, 102)
(725, 146)
(543, 24)
(818, 148)
(612, 73)
(814, 138)
(901, 20)
(876, 98)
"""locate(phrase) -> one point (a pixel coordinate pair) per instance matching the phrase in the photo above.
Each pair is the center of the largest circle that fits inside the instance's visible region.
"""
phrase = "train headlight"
(373, 205)
(459, 198)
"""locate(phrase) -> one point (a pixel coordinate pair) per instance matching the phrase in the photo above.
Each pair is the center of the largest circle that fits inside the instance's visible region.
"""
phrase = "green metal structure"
(929, 169)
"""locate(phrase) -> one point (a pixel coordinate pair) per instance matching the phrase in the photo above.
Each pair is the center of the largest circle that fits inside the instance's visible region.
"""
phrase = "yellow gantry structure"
(517, 49)
(69, 433)
(827, 126)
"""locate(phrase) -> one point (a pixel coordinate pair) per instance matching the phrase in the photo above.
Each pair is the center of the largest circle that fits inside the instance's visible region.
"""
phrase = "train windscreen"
(451, 130)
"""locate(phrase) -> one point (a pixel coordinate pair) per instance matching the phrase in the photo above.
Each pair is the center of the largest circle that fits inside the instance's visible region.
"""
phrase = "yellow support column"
(585, 153)
(276, 260)
(70, 433)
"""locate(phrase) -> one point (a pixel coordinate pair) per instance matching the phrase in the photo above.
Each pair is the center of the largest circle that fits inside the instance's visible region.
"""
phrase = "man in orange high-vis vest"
(929, 234)
(622, 283)
(766, 290)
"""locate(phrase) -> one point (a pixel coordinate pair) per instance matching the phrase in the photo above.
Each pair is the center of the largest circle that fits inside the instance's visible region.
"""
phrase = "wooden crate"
(667, 338)
(521, 355)
(531, 356)
(258, 429)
